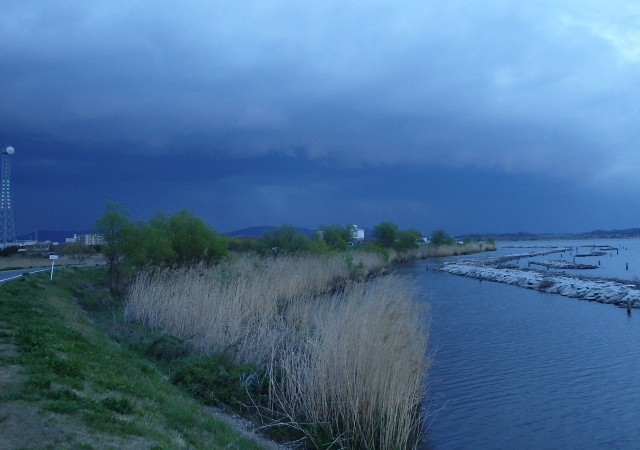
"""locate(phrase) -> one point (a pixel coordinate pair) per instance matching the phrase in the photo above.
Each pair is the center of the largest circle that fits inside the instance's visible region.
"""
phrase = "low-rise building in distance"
(357, 234)
(87, 239)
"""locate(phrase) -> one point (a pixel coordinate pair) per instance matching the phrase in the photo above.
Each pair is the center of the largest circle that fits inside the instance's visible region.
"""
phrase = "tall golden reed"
(351, 363)
(428, 251)
(357, 366)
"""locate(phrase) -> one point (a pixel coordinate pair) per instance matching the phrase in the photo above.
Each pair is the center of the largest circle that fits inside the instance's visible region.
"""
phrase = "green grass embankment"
(65, 382)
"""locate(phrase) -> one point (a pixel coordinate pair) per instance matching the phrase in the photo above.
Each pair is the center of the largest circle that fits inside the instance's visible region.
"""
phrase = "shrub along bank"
(182, 239)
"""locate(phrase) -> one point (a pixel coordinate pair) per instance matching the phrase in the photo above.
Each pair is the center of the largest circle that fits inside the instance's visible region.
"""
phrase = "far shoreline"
(609, 290)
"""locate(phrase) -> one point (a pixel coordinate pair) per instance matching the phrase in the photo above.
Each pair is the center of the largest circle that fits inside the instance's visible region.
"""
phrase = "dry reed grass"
(356, 367)
(428, 251)
(353, 361)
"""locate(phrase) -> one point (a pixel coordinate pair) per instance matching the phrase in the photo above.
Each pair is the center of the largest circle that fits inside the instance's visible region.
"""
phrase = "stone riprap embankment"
(615, 292)
(584, 255)
(562, 264)
(601, 247)
(497, 261)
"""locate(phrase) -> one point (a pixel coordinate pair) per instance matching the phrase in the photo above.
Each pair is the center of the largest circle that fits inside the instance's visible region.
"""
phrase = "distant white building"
(357, 234)
(87, 239)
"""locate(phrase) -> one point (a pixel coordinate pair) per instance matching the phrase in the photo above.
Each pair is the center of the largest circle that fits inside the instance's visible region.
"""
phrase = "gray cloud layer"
(544, 89)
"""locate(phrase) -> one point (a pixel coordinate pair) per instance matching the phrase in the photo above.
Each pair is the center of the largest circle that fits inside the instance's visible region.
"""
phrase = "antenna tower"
(7, 232)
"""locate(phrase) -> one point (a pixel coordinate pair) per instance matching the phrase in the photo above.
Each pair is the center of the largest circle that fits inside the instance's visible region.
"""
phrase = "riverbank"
(307, 324)
(624, 293)
(441, 251)
(71, 377)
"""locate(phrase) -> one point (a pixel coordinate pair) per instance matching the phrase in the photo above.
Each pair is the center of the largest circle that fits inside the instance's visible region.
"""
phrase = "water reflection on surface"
(516, 368)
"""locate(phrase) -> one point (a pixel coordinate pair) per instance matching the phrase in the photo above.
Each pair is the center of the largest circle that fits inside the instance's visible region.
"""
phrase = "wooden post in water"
(627, 266)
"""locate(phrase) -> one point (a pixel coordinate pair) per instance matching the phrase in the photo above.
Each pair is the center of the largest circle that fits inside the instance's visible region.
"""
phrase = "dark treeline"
(328, 239)
(182, 239)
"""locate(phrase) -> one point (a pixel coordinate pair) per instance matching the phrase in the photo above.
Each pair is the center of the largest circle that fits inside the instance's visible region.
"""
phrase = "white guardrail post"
(53, 261)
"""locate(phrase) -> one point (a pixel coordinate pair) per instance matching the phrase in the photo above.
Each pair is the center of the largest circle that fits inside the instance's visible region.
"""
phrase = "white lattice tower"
(7, 231)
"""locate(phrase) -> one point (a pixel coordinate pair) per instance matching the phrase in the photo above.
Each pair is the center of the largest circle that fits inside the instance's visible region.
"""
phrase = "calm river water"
(516, 368)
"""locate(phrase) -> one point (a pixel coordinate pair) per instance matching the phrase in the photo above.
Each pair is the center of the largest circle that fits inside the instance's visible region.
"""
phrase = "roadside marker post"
(53, 261)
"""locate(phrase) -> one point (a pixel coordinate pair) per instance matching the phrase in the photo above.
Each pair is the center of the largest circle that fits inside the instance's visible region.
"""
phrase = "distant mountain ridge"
(258, 231)
(595, 234)
(60, 236)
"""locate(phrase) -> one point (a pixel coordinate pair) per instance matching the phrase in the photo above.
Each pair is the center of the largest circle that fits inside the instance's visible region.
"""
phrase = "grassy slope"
(64, 383)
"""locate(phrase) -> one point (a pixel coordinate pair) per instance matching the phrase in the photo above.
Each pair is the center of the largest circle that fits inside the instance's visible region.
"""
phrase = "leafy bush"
(357, 271)
(385, 234)
(439, 237)
(374, 248)
(407, 240)
(217, 380)
(336, 236)
(180, 239)
(284, 240)
(167, 348)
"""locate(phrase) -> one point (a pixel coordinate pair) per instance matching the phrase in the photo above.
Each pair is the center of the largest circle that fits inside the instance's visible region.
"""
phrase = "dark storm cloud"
(251, 111)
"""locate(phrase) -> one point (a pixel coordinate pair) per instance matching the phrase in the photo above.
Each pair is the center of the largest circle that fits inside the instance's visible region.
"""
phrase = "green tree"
(317, 244)
(116, 229)
(407, 240)
(439, 237)
(164, 240)
(284, 240)
(193, 240)
(385, 234)
(154, 243)
(336, 236)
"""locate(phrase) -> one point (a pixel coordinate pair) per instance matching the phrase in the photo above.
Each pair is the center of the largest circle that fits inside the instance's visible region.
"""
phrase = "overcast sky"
(472, 116)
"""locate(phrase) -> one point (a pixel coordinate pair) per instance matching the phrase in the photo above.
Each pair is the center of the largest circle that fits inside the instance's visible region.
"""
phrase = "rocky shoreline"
(616, 292)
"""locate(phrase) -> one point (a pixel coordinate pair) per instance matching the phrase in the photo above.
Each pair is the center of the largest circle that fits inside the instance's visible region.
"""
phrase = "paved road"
(7, 275)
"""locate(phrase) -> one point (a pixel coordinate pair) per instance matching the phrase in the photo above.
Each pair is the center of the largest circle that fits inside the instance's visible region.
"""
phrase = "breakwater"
(499, 269)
